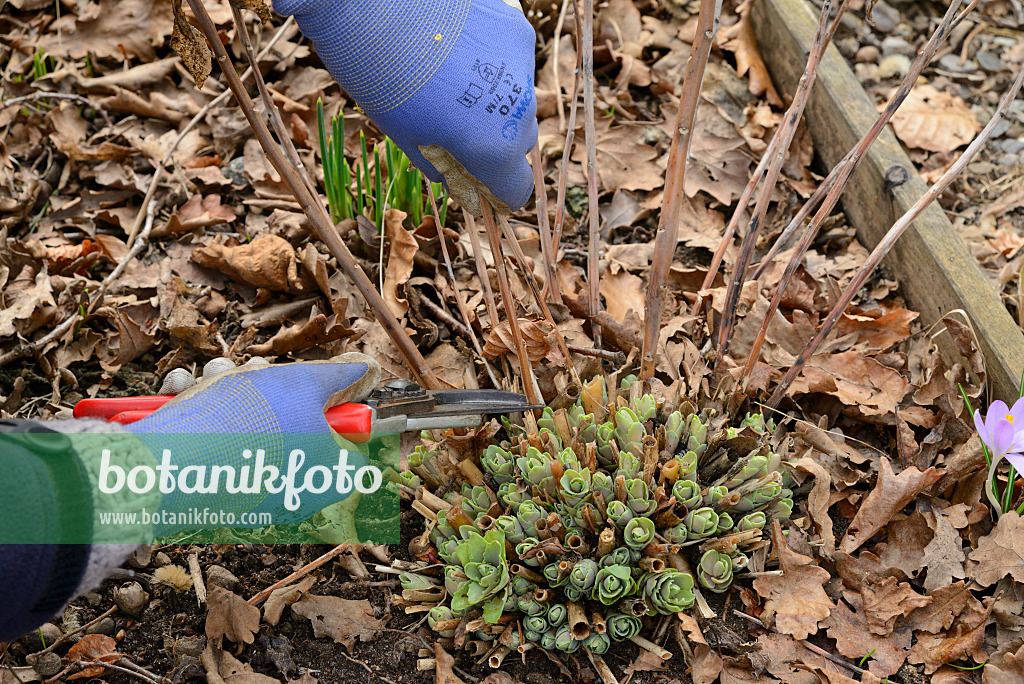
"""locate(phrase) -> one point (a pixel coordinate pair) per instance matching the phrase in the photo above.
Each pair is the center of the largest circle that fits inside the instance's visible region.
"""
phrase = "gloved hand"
(276, 408)
(450, 81)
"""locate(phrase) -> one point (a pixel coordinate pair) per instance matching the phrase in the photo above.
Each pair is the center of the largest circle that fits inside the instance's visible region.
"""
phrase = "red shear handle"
(110, 407)
(354, 422)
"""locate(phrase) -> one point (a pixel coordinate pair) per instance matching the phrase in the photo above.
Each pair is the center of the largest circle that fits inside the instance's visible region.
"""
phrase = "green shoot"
(863, 660)
(337, 177)
(42, 65)
(968, 669)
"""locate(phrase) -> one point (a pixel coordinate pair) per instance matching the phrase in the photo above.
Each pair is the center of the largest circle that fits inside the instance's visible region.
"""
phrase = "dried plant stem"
(517, 252)
(668, 222)
(525, 369)
(541, 191)
(590, 127)
(605, 672)
(272, 111)
(570, 136)
(780, 150)
(892, 236)
(842, 172)
(559, 25)
(314, 209)
(65, 637)
(481, 268)
(299, 574)
(46, 95)
(455, 285)
(858, 152)
(200, 115)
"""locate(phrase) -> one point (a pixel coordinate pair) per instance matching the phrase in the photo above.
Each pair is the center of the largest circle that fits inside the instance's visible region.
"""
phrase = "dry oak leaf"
(535, 334)
(1005, 668)
(855, 640)
(743, 44)
(318, 330)
(341, 619)
(228, 615)
(624, 161)
(285, 596)
(887, 600)
(933, 120)
(443, 673)
(796, 601)
(123, 28)
(399, 268)
(92, 648)
(268, 261)
(944, 555)
(25, 295)
(623, 292)
(862, 383)
(1000, 553)
(818, 502)
(934, 651)
(222, 667)
(947, 604)
(197, 212)
(891, 493)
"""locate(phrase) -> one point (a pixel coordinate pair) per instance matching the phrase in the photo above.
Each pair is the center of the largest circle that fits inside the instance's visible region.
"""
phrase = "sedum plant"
(591, 521)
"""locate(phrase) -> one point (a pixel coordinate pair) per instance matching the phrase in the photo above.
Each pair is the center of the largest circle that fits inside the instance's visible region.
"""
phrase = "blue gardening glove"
(450, 81)
(276, 408)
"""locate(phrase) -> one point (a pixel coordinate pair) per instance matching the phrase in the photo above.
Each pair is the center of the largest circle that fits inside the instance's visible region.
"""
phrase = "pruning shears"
(397, 406)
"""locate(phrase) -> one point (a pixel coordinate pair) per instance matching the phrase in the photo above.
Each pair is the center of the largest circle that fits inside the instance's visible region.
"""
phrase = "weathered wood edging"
(936, 269)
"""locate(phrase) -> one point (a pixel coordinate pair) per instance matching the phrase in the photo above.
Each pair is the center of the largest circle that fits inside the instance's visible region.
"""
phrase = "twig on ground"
(481, 268)
(668, 222)
(63, 638)
(299, 574)
(198, 585)
(508, 301)
(615, 357)
(781, 141)
(314, 209)
(820, 651)
(44, 94)
(603, 671)
(590, 127)
(897, 230)
(843, 172)
(559, 25)
(366, 667)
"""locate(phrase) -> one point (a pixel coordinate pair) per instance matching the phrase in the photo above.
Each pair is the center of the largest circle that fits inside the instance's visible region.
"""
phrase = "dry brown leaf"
(891, 493)
(340, 619)
(186, 324)
(91, 648)
(877, 334)
(623, 159)
(934, 120)
(130, 28)
(934, 650)
(717, 164)
(285, 596)
(268, 261)
(944, 555)
(228, 615)
(1005, 668)
(318, 330)
(535, 334)
(887, 600)
(399, 268)
(443, 673)
(862, 383)
(1000, 553)
(197, 212)
(947, 604)
(818, 502)
(855, 640)
(622, 292)
(795, 601)
(230, 669)
(65, 259)
(748, 57)
(25, 295)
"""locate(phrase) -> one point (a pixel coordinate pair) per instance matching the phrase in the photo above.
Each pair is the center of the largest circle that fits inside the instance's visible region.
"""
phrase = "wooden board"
(937, 271)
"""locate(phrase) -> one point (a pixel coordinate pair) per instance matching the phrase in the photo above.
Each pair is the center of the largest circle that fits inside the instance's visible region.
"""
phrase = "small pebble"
(867, 54)
(990, 62)
(105, 626)
(141, 557)
(951, 62)
(221, 576)
(886, 18)
(93, 599)
(234, 171)
(894, 66)
(848, 46)
(892, 45)
(38, 639)
(131, 598)
(867, 73)
(47, 664)
(1012, 145)
(161, 559)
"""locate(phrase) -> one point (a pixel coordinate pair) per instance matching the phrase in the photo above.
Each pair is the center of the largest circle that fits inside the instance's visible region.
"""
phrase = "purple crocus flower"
(1002, 430)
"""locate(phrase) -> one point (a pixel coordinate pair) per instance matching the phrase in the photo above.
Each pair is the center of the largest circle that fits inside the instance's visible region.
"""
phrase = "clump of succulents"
(585, 522)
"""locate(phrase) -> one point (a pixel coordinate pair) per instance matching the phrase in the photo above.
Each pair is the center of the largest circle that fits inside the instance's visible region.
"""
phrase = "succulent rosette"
(565, 641)
(622, 627)
(619, 514)
(575, 487)
(668, 592)
(486, 571)
(613, 583)
(583, 575)
(701, 523)
(597, 643)
(441, 614)
(715, 571)
(638, 533)
(557, 614)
